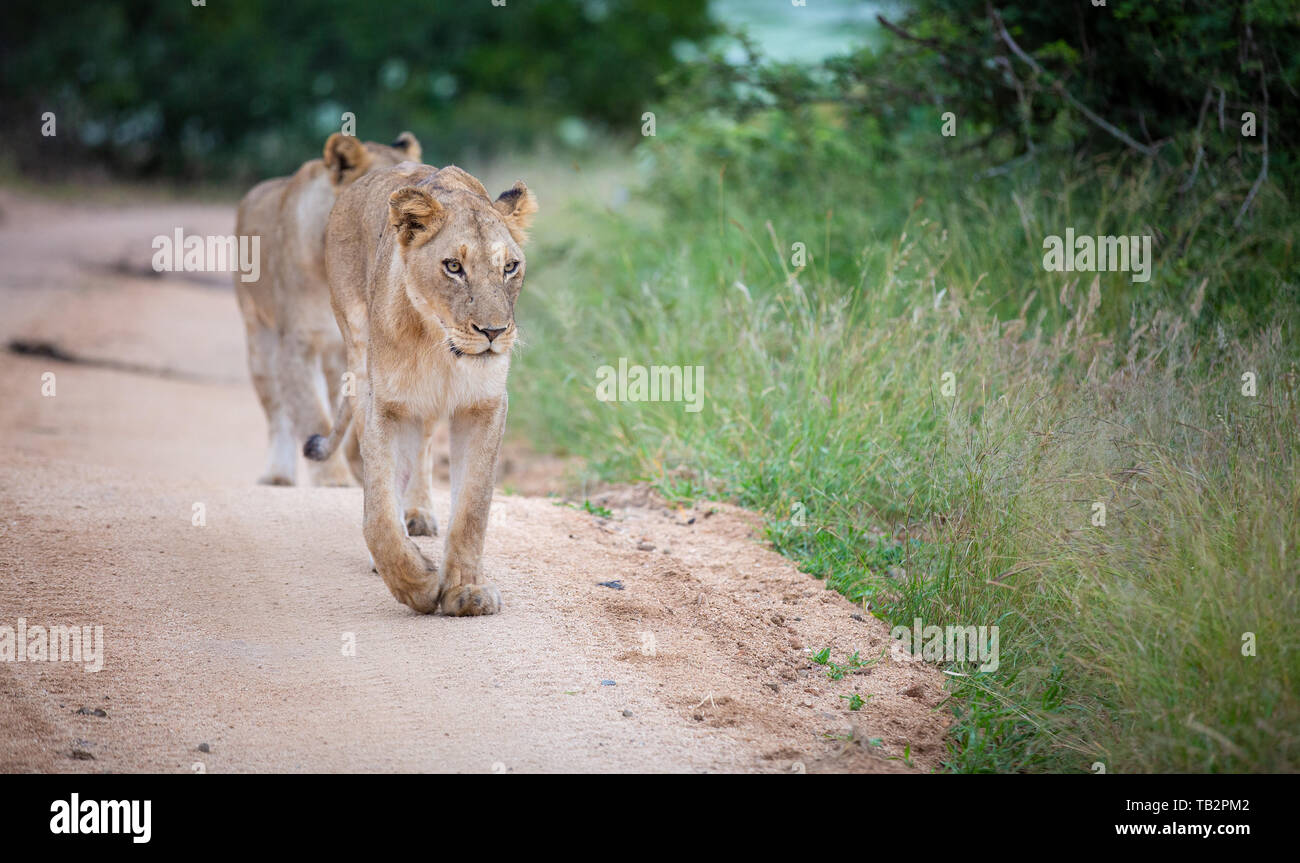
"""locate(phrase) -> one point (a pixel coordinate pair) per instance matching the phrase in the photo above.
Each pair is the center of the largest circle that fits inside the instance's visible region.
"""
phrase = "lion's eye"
(511, 267)
(453, 266)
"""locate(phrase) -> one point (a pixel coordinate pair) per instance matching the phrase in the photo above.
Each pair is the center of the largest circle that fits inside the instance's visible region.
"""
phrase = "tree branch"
(1263, 168)
(1115, 131)
(1200, 148)
(903, 34)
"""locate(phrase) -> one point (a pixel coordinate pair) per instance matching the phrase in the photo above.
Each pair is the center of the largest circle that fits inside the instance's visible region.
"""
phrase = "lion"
(295, 353)
(424, 269)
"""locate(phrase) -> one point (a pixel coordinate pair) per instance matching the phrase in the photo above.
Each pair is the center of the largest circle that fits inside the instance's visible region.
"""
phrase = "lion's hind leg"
(417, 497)
(305, 388)
(282, 447)
(330, 370)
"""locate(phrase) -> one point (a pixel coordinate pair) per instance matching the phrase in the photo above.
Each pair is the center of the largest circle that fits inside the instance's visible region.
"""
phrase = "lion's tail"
(319, 447)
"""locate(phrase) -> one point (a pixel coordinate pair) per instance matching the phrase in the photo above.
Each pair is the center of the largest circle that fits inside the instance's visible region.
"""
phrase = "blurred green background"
(244, 87)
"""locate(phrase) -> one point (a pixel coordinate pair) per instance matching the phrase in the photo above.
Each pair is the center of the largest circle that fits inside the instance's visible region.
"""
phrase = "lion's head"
(348, 158)
(462, 258)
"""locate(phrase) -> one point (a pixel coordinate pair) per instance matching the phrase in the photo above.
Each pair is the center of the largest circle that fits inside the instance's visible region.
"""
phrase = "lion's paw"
(420, 522)
(465, 600)
(423, 600)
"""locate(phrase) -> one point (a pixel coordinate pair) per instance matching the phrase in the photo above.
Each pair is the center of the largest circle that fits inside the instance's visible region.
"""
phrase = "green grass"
(588, 507)
(856, 701)
(826, 410)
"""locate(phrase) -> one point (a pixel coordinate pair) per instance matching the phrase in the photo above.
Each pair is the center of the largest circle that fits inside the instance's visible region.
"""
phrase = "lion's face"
(462, 259)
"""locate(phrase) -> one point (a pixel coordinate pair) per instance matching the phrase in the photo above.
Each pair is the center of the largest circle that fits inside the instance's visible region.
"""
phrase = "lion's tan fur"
(424, 270)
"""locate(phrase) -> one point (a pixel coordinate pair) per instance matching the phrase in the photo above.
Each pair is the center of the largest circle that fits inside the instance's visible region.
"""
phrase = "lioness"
(424, 269)
(295, 353)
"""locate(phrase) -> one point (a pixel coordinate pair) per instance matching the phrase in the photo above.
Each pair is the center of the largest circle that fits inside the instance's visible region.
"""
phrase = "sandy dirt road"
(230, 637)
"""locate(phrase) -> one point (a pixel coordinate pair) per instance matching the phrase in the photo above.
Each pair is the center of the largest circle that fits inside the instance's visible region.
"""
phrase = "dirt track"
(232, 634)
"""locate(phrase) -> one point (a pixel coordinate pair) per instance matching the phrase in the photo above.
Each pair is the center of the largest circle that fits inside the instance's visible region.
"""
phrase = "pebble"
(203, 747)
(644, 546)
(627, 713)
(616, 585)
(608, 683)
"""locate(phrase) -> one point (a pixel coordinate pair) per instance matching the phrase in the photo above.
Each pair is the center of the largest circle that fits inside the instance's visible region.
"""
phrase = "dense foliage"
(1149, 92)
(165, 87)
(1150, 72)
(1145, 66)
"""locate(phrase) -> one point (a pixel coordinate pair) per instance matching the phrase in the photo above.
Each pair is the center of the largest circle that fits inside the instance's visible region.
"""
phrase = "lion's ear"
(346, 158)
(409, 145)
(415, 215)
(516, 206)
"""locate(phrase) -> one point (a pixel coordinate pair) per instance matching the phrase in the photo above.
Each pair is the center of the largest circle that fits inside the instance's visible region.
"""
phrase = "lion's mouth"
(486, 353)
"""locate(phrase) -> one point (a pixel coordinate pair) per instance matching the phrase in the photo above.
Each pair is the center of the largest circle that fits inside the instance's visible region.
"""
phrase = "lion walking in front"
(424, 269)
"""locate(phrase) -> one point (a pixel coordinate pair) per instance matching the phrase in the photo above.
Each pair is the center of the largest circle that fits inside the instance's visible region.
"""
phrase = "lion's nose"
(490, 332)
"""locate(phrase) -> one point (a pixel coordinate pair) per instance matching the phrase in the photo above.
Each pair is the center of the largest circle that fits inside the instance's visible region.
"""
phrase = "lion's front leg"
(385, 444)
(475, 445)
